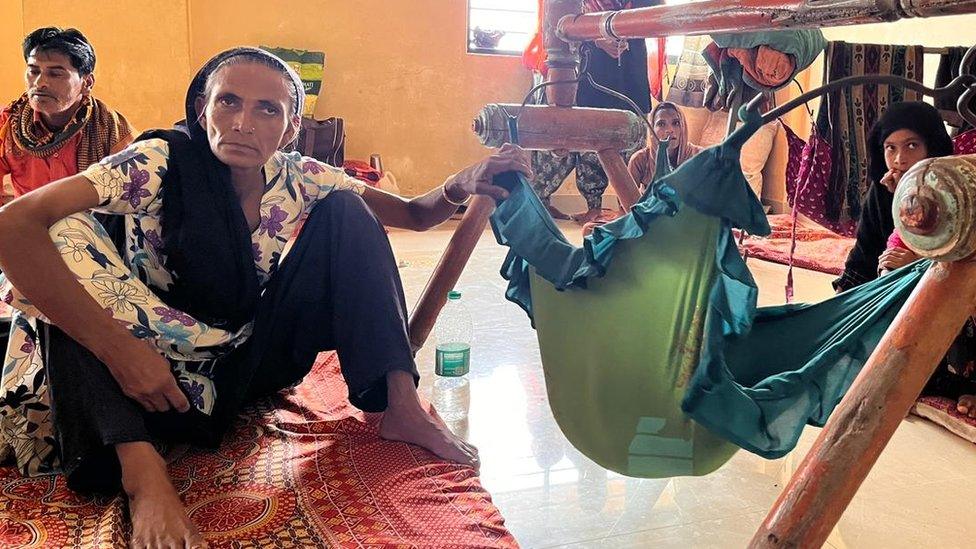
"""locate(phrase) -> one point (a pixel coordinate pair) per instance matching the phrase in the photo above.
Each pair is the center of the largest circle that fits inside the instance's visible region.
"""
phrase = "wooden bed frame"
(890, 382)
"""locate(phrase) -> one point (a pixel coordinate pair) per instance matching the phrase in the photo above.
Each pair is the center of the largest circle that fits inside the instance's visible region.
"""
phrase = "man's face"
(54, 86)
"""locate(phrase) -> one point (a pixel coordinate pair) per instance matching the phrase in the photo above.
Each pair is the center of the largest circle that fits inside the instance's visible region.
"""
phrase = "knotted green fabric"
(650, 333)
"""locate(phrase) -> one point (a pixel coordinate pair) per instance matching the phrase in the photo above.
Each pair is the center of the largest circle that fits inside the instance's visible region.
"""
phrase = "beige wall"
(396, 70)
(11, 60)
(141, 52)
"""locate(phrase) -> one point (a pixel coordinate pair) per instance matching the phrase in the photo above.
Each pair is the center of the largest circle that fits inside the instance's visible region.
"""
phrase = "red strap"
(657, 66)
(798, 188)
(534, 56)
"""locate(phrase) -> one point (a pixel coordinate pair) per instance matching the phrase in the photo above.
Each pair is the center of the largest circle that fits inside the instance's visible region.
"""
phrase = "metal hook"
(968, 63)
(583, 68)
(964, 103)
(753, 104)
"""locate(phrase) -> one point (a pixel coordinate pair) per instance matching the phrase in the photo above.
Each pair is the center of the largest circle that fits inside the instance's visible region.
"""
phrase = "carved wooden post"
(935, 208)
(540, 127)
(620, 179)
(935, 211)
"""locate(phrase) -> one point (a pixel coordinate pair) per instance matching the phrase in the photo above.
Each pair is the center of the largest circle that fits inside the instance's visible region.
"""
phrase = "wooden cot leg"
(620, 179)
(449, 269)
(863, 423)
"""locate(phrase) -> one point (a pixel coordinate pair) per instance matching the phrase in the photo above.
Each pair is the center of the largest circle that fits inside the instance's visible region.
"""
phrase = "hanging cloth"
(534, 56)
(949, 64)
(690, 74)
(657, 66)
(846, 116)
(808, 185)
(965, 143)
(765, 61)
(657, 361)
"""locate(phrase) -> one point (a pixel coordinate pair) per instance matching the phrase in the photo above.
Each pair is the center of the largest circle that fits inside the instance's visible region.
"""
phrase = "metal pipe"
(965, 83)
(541, 127)
(715, 16)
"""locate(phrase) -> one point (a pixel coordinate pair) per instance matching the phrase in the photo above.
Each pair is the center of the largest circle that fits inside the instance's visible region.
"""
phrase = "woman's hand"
(891, 178)
(144, 375)
(895, 258)
(477, 178)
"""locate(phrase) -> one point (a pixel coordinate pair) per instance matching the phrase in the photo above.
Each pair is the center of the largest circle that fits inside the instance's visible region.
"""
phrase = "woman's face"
(667, 125)
(902, 149)
(248, 114)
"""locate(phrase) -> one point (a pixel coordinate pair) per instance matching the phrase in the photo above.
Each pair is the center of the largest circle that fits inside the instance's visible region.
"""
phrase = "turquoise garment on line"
(803, 45)
(657, 361)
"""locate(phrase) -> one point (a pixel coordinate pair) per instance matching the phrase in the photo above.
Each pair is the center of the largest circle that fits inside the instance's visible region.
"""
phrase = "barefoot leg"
(406, 420)
(158, 517)
(588, 216)
(555, 212)
(967, 405)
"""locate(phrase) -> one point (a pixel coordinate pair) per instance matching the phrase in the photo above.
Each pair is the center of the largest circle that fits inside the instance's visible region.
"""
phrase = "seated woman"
(905, 134)
(669, 125)
(165, 333)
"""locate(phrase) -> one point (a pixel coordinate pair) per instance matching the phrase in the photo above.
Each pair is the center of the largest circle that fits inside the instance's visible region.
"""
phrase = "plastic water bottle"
(452, 333)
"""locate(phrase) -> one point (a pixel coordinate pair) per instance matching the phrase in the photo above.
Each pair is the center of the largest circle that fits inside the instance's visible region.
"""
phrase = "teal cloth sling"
(803, 45)
(657, 361)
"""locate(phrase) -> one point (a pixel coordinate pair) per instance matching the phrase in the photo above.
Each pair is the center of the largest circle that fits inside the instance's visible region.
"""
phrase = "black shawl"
(876, 221)
(206, 240)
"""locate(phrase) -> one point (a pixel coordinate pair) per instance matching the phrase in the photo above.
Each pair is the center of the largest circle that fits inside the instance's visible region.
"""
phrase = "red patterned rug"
(306, 470)
(817, 248)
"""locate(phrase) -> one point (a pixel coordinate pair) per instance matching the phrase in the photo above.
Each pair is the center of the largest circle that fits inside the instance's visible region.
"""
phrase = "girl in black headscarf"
(165, 332)
(906, 133)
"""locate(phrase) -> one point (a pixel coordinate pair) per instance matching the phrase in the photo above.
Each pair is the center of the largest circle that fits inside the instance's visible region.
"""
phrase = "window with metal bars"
(505, 27)
(502, 27)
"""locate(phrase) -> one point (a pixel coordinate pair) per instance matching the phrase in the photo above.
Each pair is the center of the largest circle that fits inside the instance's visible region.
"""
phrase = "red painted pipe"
(715, 16)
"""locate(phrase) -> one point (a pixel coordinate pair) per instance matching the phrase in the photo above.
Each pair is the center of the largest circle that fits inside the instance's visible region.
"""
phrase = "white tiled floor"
(920, 494)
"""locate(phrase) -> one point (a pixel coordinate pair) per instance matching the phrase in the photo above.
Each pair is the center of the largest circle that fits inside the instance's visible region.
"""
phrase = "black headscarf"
(206, 239)
(876, 221)
(916, 116)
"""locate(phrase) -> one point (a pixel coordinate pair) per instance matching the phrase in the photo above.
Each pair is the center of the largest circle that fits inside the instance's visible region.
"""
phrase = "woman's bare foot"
(406, 420)
(416, 426)
(590, 227)
(555, 212)
(967, 405)
(588, 216)
(157, 514)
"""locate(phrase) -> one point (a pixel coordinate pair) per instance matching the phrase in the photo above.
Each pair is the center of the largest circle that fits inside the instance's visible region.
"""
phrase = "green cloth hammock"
(657, 361)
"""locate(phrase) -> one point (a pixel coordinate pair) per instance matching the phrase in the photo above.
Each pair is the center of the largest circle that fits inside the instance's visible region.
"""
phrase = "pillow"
(755, 152)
